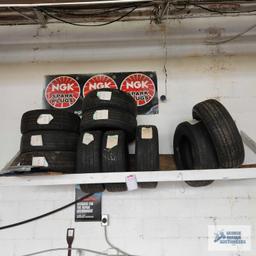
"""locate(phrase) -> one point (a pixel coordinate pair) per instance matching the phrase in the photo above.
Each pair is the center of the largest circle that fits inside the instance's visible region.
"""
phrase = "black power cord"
(87, 25)
(70, 239)
(107, 11)
(222, 12)
(45, 214)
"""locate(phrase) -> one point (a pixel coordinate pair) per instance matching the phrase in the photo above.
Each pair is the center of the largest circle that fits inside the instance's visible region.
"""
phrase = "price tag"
(44, 119)
(104, 95)
(39, 161)
(100, 114)
(131, 182)
(112, 141)
(147, 133)
(87, 138)
(36, 140)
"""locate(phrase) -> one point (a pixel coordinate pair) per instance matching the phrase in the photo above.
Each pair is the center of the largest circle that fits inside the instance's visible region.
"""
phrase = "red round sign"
(98, 82)
(62, 92)
(140, 86)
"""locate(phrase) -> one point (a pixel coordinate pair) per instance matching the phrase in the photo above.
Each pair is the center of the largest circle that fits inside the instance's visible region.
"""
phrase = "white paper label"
(44, 119)
(39, 161)
(36, 140)
(193, 121)
(71, 232)
(146, 133)
(112, 141)
(233, 238)
(100, 114)
(104, 95)
(131, 182)
(87, 138)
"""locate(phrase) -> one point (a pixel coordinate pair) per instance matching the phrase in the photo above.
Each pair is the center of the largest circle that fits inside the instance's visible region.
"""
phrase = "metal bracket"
(248, 141)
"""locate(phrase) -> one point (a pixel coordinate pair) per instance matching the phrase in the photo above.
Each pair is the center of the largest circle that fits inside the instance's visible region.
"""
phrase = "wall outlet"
(105, 220)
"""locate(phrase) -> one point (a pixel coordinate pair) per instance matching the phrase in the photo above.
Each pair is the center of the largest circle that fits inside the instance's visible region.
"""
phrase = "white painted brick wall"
(171, 220)
(176, 224)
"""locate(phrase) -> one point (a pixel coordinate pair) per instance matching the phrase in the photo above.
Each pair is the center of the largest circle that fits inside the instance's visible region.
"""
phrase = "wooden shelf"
(167, 173)
(160, 176)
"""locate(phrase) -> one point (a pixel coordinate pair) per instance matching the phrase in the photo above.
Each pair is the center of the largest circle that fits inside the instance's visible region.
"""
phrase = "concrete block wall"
(171, 220)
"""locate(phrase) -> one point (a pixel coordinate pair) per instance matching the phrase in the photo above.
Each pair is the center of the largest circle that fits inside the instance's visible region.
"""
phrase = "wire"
(88, 25)
(110, 244)
(232, 38)
(123, 253)
(207, 9)
(45, 214)
(23, 15)
(88, 14)
(225, 12)
(214, 10)
(165, 56)
(67, 249)
(113, 246)
(221, 12)
(109, 10)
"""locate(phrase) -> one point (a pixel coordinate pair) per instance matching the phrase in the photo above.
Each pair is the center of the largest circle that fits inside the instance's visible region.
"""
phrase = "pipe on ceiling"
(73, 3)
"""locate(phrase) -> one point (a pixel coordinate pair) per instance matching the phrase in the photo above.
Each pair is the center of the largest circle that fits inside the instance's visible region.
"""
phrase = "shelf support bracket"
(248, 141)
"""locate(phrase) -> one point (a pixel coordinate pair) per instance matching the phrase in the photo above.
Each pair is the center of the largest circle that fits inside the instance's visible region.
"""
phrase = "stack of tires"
(147, 152)
(49, 140)
(108, 124)
(210, 141)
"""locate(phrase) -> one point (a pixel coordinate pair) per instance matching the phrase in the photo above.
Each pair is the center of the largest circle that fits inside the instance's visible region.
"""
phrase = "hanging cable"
(163, 97)
(108, 11)
(221, 12)
(231, 38)
(123, 253)
(207, 9)
(45, 214)
(113, 246)
(67, 249)
(87, 25)
(23, 15)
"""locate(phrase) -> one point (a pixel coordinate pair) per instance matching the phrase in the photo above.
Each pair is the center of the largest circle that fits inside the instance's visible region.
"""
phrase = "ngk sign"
(140, 86)
(99, 82)
(62, 92)
(69, 91)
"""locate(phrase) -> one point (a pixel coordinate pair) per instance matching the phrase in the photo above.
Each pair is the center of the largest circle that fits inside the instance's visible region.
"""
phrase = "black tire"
(112, 119)
(57, 161)
(223, 131)
(62, 121)
(147, 152)
(115, 99)
(49, 141)
(193, 149)
(89, 158)
(92, 188)
(114, 157)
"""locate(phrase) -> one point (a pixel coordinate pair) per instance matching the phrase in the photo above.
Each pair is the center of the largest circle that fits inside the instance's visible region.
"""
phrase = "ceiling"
(104, 12)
